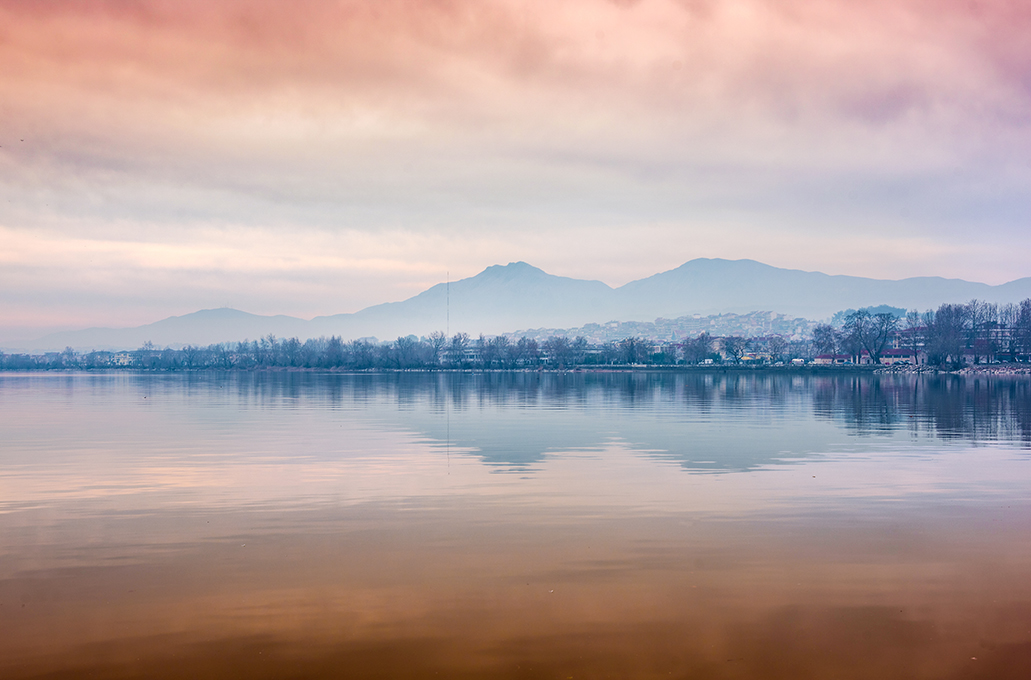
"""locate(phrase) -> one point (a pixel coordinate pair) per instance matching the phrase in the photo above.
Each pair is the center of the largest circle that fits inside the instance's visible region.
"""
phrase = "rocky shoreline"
(979, 370)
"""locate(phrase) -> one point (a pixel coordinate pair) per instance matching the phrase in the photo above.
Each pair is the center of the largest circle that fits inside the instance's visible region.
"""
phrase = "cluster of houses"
(889, 357)
(115, 359)
(750, 325)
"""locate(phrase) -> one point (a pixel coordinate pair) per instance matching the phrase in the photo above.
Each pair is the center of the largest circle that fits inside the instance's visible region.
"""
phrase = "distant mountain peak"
(219, 312)
(511, 270)
(722, 262)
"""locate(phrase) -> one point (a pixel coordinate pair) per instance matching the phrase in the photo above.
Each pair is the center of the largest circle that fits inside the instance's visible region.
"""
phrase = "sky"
(308, 158)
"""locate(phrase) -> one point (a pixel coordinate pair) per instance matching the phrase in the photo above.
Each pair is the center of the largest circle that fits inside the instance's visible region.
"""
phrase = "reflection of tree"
(862, 401)
(944, 406)
(949, 406)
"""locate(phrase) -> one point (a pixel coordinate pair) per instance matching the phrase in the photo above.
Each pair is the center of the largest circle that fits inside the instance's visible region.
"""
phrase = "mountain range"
(503, 298)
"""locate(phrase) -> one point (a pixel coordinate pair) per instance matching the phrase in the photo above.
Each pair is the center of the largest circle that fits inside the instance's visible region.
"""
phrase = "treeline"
(974, 332)
(459, 351)
(954, 334)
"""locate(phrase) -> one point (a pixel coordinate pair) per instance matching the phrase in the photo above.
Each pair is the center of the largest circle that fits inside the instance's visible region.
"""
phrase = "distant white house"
(833, 359)
(899, 356)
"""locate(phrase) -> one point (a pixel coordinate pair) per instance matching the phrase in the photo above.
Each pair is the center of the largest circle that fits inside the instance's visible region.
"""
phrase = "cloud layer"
(315, 157)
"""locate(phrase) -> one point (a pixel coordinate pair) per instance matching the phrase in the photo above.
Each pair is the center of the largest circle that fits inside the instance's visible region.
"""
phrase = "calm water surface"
(295, 525)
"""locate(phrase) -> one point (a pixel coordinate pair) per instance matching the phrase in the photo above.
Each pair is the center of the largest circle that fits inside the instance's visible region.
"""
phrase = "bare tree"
(268, 348)
(291, 351)
(437, 342)
(334, 354)
(500, 351)
(457, 346)
(243, 355)
(558, 350)
(578, 350)
(882, 329)
(872, 333)
(483, 351)
(406, 351)
(825, 339)
(982, 318)
(913, 332)
(855, 332)
(527, 352)
(946, 332)
(632, 350)
(1022, 328)
(67, 357)
(734, 347)
(698, 349)
(224, 355)
(189, 355)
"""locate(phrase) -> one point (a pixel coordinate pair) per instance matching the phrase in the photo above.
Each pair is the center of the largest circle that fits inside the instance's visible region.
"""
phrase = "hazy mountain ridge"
(506, 297)
(188, 329)
(742, 286)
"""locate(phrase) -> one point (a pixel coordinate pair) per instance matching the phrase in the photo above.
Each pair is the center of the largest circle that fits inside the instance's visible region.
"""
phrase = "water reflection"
(312, 525)
(976, 409)
(719, 421)
(680, 416)
(947, 406)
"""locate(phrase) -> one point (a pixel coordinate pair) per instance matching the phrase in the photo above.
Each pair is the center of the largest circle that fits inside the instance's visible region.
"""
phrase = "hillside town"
(751, 325)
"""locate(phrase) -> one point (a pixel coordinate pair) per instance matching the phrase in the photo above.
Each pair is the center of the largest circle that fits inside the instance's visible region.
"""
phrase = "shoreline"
(996, 370)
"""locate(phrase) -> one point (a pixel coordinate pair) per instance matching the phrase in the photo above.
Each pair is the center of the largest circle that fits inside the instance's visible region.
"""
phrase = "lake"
(514, 525)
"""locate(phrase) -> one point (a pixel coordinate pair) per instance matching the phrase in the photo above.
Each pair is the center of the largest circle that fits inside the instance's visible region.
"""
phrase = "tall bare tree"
(437, 342)
(457, 346)
(734, 347)
(825, 339)
(632, 351)
(698, 349)
(527, 352)
(872, 333)
(946, 334)
(1022, 328)
(558, 349)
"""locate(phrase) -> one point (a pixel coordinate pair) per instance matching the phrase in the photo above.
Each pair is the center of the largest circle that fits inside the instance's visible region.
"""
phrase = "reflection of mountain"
(702, 421)
(707, 423)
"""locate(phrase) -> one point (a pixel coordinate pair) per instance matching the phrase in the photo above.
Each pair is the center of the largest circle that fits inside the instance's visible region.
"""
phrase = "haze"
(312, 158)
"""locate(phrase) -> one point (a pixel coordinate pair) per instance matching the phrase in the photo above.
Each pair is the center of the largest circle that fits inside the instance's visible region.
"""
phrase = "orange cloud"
(784, 56)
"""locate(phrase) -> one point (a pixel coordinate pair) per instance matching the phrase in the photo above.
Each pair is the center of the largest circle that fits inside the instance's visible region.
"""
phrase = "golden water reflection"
(403, 592)
(258, 535)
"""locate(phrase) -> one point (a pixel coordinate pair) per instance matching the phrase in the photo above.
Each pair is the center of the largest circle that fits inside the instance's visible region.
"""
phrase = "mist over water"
(514, 525)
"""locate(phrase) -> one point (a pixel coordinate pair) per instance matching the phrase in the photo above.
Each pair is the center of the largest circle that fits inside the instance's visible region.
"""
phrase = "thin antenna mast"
(447, 397)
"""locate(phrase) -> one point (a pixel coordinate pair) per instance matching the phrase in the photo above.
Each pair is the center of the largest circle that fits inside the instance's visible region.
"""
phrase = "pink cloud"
(451, 118)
